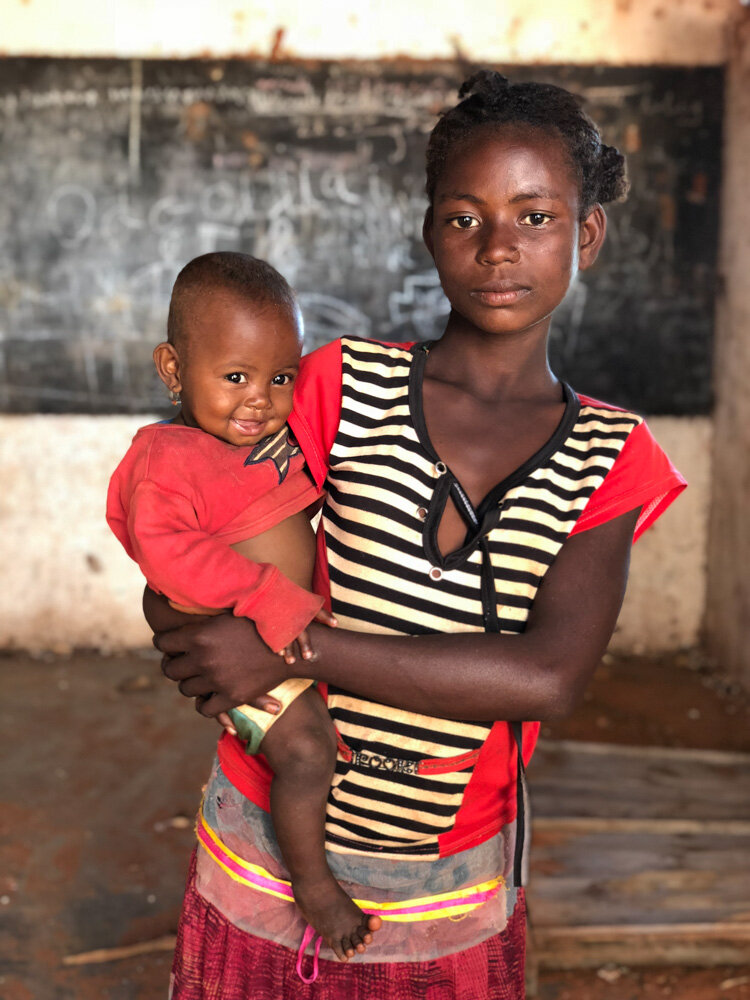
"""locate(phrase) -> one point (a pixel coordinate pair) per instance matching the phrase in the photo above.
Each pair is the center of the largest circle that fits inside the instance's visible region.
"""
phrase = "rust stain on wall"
(277, 45)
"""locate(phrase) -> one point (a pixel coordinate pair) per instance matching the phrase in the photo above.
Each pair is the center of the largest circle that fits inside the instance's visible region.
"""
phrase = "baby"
(213, 506)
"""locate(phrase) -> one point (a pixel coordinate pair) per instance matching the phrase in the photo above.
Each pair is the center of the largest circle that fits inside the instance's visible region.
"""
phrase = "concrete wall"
(728, 607)
(688, 32)
(69, 583)
(66, 581)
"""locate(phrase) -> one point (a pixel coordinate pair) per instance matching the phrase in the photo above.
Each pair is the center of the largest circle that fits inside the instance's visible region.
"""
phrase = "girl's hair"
(488, 98)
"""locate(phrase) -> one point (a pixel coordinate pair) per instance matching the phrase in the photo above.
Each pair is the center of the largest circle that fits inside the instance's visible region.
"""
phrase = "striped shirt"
(410, 786)
(401, 778)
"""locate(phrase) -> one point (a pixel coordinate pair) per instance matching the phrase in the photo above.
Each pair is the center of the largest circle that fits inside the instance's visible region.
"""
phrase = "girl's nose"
(498, 245)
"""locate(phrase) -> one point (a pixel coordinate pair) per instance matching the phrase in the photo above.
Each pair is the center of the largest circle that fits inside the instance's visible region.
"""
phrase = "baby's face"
(238, 365)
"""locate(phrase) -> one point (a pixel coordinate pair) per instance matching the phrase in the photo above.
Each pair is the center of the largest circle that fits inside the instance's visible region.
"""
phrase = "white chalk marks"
(133, 176)
(116, 172)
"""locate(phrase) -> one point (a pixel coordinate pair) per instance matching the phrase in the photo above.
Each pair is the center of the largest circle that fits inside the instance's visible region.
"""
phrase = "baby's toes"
(339, 949)
(347, 948)
(357, 942)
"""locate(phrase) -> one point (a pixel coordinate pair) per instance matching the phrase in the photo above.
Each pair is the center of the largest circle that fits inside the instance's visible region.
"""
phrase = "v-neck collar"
(493, 499)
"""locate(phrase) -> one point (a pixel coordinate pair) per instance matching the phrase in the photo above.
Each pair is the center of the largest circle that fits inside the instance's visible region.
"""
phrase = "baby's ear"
(167, 362)
(591, 237)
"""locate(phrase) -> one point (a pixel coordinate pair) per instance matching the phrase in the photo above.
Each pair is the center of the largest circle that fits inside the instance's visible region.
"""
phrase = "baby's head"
(234, 340)
(490, 103)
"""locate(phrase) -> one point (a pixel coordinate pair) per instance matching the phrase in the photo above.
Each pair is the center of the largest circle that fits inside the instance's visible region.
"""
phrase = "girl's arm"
(539, 674)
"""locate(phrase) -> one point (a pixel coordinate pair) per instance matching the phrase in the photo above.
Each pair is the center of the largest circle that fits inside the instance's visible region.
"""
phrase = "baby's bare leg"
(301, 749)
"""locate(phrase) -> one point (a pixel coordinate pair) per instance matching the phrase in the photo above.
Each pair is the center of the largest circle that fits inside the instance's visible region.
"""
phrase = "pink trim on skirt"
(214, 960)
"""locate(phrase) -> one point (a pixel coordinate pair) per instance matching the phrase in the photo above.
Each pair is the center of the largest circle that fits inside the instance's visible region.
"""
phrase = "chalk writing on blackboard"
(117, 172)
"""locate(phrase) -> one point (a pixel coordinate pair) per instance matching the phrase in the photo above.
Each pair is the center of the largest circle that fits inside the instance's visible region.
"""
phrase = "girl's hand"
(303, 639)
(222, 661)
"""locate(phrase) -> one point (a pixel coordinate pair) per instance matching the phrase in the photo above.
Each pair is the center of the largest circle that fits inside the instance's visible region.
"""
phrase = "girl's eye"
(237, 378)
(281, 379)
(536, 219)
(464, 222)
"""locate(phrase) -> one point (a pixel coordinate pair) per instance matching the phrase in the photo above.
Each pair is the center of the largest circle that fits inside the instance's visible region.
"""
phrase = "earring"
(174, 397)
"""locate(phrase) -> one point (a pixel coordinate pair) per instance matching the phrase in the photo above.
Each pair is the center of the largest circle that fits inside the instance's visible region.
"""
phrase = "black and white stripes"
(401, 781)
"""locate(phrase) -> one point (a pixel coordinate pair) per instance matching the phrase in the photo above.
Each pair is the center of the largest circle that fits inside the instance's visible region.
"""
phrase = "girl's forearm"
(538, 674)
(465, 676)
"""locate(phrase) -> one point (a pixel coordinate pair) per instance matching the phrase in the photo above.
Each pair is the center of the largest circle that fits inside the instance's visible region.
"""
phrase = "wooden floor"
(640, 855)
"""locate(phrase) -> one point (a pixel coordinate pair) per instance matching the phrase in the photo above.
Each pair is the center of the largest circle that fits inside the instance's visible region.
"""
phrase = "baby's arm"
(194, 568)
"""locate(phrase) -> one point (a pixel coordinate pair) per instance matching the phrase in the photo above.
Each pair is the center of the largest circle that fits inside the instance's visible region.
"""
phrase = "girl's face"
(505, 232)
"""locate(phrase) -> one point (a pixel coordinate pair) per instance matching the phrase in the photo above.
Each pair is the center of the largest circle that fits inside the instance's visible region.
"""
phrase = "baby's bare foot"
(341, 924)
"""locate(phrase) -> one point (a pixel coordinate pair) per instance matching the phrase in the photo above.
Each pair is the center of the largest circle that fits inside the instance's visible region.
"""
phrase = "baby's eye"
(464, 222)
(235, 377)
(281, 379)
(536, 219)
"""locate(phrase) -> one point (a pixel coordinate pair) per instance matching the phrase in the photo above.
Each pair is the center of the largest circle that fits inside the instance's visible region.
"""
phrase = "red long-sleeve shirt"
(177, 502)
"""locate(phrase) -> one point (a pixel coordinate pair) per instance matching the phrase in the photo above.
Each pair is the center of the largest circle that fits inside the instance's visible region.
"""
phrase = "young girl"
(475, 540)
(212, 506)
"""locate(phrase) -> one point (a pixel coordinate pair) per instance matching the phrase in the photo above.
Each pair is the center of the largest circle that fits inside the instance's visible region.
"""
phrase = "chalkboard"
(114, 173)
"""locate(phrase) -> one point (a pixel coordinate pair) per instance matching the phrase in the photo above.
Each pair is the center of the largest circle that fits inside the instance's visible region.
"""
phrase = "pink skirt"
(214, 960)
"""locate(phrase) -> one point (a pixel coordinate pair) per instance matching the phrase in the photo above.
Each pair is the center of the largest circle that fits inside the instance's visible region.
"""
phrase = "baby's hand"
(265, 703)
(226, 723)
(303, 639)
(326, 618)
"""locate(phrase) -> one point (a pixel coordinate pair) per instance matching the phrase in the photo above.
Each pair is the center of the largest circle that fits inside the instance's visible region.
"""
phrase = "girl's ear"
(167, 363)
(427, 231)
(591, 236)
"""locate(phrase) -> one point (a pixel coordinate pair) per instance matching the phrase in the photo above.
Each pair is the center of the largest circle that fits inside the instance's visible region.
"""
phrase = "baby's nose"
(256, 398)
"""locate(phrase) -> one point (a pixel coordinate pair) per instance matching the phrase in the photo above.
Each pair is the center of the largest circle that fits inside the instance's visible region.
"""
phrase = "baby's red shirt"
(177, 502)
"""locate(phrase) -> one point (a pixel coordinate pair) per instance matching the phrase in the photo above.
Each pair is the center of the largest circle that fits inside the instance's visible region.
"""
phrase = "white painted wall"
(69, 583)
(688, 32)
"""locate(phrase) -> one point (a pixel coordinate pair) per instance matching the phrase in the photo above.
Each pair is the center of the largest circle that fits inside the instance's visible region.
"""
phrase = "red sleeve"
(194, 568)
(317, 407)
(642, 476)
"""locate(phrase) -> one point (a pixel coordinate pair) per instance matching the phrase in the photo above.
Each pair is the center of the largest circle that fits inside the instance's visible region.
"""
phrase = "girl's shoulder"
(318, 393)
(325, 363)
(642, 474)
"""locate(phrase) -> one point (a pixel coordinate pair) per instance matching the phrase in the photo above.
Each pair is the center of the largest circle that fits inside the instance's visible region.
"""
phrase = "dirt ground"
(103, 766)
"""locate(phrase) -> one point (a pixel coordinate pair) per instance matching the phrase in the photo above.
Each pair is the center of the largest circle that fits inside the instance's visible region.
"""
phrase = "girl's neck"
(494, 366)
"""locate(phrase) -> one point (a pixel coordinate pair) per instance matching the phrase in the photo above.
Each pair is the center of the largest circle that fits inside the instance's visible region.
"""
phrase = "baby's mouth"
(249, 427)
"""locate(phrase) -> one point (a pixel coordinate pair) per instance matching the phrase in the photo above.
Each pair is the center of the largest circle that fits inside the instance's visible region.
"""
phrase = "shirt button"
(436, 573)
(441, 468)
(421, 513)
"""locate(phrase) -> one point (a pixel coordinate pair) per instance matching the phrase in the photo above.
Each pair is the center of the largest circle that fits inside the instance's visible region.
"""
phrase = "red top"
(180, 498)
(642, 476)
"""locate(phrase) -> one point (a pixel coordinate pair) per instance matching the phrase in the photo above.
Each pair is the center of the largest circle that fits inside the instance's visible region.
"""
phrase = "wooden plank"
(638, 878)
(594, 824)
(572, 779)
(651, 944)
(100, 955)
(640, 855)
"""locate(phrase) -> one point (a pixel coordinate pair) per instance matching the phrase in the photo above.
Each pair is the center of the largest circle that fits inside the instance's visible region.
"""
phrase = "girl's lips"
(499, 297)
